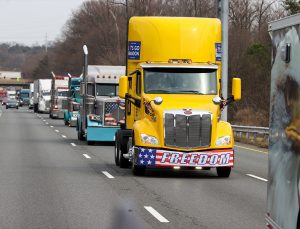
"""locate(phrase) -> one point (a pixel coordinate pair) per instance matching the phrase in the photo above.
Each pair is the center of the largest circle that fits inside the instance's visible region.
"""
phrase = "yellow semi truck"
(173, 98)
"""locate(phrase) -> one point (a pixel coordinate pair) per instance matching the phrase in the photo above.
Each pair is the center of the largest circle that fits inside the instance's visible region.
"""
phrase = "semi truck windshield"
(106, 90)
(62, 93)
(180, 81)
(24, 95)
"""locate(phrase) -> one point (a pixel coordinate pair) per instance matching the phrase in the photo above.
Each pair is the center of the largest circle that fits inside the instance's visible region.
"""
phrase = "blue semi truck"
(101, 110)
(70, 115)
(24, 97)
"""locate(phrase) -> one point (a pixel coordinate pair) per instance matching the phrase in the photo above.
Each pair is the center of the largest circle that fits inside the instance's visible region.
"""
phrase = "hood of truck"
(152, 123)
(108, 99)
(47, 97)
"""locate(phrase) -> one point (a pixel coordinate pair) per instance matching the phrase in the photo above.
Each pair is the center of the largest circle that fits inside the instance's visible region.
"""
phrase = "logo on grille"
(187, 111)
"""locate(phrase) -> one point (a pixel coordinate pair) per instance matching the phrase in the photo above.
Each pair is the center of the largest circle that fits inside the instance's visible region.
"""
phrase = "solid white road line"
(155, 213)
(57, 131)
(73, 144)
(256, 177)
(63, 136)
(108, 175)
(86, 156)
(51, 126)
(255, 150)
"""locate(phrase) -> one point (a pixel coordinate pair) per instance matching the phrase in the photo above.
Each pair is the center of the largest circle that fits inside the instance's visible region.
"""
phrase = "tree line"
(102, 25)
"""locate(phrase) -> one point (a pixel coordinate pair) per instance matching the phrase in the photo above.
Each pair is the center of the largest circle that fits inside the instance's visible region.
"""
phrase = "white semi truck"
(31, 96)
(41, 95)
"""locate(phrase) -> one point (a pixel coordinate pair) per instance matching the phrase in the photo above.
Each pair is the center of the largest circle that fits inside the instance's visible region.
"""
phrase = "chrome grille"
(64, 104)
(187, 131)
(113, 114)
(47, 104)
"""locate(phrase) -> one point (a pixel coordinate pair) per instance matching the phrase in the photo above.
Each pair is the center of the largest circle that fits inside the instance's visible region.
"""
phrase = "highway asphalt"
(49, 179)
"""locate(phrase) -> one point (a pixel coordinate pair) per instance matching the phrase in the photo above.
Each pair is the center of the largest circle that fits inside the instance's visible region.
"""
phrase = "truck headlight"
(149, 139)
(225, 140)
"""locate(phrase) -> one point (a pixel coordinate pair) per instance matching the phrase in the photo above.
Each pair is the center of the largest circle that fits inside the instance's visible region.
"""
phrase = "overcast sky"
(28, 21)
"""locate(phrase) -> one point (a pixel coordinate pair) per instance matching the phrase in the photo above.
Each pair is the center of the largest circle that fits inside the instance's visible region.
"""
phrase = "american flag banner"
(109, 120)
(156, 157)
(113, 113)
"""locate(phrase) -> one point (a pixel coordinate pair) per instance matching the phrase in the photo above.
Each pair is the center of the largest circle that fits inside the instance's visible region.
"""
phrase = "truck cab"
(101, 109)
(24, 97)
(70, 115)
(173, 97)
(59, 93)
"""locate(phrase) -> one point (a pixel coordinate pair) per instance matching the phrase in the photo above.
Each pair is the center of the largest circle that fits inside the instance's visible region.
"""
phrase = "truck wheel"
(138, 170)
(223, 171)
(80, 135)
(65, 120)
(90, 143)
(117, 150)
(123, 162)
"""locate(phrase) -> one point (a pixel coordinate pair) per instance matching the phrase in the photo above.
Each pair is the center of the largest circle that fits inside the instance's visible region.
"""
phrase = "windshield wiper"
(190, 91)
(158, 91)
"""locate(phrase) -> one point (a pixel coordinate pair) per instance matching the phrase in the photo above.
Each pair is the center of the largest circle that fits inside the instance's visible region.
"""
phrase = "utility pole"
(46, 46)
(223, 12)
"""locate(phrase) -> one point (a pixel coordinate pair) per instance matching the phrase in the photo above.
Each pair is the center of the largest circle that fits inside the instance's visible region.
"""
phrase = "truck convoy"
(41, 95)
(284, 137)
(70, 116)
(173, 97)
(24, 98)
(59, 93)
(101, 109)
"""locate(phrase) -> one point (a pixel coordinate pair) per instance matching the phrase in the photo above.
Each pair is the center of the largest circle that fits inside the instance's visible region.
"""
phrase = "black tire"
(17, 108)
(80, 136)
(34, 108)
(6, 107)
(117, 150)
(123, 162)
(223, 171)
(138, 170)
(66, 122)
(91, 143)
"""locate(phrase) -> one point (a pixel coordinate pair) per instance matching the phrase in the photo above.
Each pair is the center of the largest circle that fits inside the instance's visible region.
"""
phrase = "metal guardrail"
(250, 131)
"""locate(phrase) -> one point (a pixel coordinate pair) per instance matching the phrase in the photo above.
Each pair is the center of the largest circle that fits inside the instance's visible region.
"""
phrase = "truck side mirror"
(123, 86)
(82, 89)
(236, 88)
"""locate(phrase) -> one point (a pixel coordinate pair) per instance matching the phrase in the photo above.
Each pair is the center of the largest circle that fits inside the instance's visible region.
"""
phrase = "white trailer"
(41, 95)
(284, 144)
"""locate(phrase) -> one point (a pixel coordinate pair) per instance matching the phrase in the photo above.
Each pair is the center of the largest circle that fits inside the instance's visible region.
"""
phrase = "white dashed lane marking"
(73, 144)
(256, 177)
(108, 174)
(86, 156)
(156, 214)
